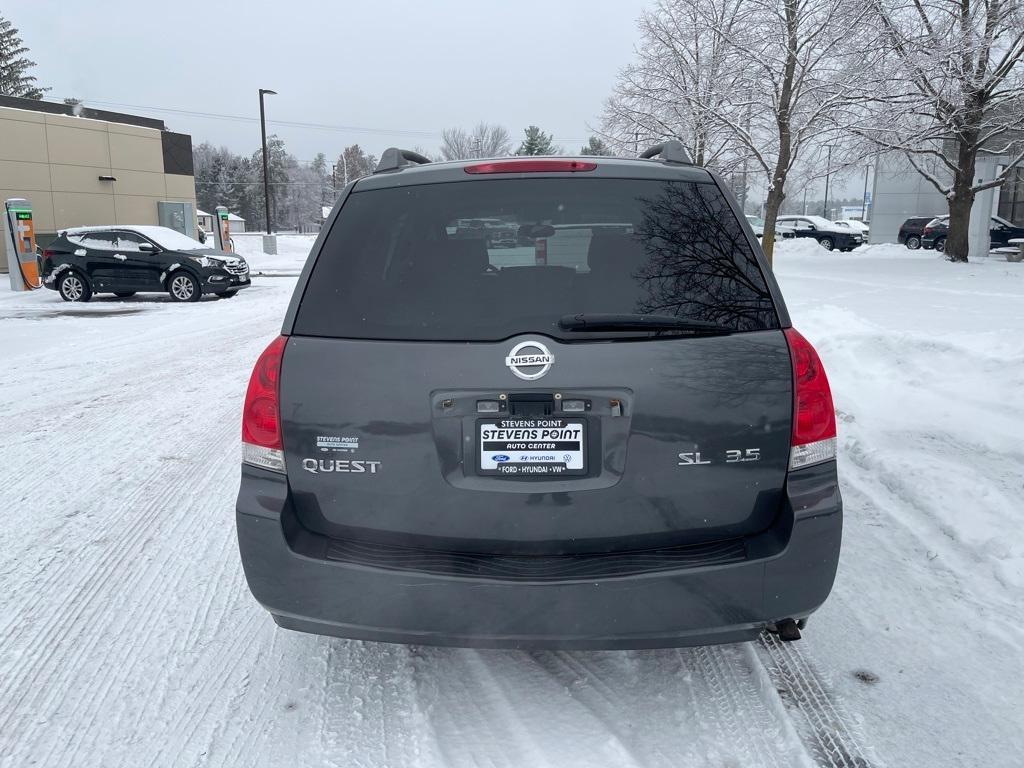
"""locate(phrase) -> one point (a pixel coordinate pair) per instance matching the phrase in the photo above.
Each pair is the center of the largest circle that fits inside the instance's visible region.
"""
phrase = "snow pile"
(800, 246)
(927, 367)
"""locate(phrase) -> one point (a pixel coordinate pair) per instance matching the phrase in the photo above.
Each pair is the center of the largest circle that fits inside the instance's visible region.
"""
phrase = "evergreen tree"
(14, 67)
(537, 143)
(278, 164)
(353, 164)
(595, 147)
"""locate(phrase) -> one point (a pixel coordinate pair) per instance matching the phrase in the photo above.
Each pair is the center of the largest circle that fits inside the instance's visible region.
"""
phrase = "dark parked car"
(911, 231)
(1001, 232)
(621, 442)
(124, 260)
(781, 230)
(829, 235)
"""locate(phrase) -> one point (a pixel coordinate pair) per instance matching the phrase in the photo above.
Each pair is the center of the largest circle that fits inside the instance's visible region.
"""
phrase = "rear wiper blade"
(628, 322)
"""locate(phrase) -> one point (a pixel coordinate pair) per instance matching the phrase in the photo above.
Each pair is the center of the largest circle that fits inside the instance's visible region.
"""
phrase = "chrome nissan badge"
(529, 360)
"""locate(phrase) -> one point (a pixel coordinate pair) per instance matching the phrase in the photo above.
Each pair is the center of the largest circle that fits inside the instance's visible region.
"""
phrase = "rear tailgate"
(686, 440)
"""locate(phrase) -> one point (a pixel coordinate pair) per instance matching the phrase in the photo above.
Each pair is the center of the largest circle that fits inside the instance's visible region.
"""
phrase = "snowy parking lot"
(128, 636)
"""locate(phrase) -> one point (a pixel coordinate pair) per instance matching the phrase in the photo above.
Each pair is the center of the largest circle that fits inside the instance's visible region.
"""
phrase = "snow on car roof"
(165, 237)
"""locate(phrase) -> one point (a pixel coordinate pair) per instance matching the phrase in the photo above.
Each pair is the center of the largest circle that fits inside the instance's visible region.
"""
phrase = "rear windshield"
(486, 260)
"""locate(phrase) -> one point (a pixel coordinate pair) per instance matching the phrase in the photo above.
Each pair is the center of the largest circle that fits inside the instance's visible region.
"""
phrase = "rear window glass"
(486, 260)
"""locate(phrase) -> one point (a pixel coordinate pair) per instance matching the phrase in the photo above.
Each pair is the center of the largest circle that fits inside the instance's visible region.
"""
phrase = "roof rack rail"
(670, 151)
(395, 159)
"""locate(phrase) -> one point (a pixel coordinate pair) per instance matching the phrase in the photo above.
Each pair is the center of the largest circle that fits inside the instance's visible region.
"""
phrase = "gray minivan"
(608, 435)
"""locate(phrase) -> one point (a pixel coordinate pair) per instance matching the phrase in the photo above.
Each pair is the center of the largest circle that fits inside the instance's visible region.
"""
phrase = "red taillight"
(261, 423)
(48, 255)
(531, 165)
(814, 418)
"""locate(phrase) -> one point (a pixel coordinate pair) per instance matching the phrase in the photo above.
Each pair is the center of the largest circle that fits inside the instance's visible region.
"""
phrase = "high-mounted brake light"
(261, 419)
(814, 417)
(531, 165)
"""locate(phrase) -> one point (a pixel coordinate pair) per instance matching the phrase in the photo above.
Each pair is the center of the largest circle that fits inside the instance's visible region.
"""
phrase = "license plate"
(532, 447)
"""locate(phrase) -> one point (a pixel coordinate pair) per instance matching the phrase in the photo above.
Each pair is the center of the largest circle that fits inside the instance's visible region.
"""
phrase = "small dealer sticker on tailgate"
(532, 447)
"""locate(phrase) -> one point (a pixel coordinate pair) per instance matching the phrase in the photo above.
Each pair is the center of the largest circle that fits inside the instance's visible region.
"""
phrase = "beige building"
(94, 169)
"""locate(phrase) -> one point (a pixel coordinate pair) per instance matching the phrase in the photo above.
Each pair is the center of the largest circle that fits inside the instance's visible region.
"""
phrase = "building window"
(1011, 197)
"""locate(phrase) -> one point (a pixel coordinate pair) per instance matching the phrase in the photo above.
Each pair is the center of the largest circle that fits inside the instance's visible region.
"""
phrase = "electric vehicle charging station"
(20, 241)
(221, 231)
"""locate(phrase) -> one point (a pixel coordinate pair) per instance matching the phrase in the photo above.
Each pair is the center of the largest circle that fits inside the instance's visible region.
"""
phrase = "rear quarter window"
(488, 259)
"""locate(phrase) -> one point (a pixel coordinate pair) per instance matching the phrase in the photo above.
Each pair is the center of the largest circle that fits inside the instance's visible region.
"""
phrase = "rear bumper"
(785, 572)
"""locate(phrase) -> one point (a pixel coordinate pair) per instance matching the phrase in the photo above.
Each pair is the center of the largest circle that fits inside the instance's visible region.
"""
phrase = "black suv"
(1001, 232)
(124, 260)
(611, 437)
(911, 231)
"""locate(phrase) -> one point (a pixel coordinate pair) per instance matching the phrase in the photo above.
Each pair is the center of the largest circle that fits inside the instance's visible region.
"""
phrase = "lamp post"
(864, 200)
(266, 172)
(828, 172)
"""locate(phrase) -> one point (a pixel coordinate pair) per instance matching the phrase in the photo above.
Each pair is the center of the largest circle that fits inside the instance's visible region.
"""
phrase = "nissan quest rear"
(598, 431)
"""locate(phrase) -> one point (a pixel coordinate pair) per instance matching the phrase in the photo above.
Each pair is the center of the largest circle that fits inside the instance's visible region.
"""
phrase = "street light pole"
(828, 171)
(266, 172)
(864, 200)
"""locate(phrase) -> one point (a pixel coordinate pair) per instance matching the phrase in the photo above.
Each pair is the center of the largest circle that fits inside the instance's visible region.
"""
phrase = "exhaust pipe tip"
(788, 630)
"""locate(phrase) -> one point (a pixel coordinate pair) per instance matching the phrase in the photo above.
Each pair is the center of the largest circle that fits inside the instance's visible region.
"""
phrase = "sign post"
(20, 242)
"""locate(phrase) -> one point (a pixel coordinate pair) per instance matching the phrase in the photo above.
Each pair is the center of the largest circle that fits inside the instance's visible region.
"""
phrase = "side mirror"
(147, 247)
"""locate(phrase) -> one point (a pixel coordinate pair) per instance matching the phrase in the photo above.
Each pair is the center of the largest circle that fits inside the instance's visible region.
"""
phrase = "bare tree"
(681, 68)
(950, 87)
(756, 79)
(484, 140)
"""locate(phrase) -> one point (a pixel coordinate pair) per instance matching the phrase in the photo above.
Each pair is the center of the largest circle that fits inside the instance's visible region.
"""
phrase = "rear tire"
(181, 286)
(124, 294)
(913, 242)
(940, 244)
(72, 286)
(826, 243)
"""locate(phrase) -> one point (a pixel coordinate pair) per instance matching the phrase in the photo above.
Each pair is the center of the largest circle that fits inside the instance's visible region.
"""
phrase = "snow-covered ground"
(128, 637)
(291, 253)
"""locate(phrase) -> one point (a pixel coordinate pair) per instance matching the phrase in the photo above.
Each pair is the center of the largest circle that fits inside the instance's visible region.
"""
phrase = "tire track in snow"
(827, 728)
(744, 716)
(85, 598)
(689, 707)
(370, 714)
(93, 617)
(130, 522)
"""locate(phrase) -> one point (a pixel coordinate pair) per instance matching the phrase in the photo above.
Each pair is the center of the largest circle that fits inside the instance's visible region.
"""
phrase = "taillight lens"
(814, 417)
(531, 165)
(261, 414)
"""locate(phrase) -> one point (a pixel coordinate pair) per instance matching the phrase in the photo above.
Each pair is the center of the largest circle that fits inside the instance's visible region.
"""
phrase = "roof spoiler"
(395, 159)
(668, 151)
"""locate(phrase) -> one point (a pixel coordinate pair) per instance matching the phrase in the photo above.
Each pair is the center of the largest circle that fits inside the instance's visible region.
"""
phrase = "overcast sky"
(400, 70)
